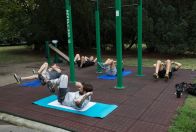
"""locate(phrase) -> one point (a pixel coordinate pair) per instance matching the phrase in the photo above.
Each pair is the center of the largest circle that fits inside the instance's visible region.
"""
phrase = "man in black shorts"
(165, 69)
(84, 61)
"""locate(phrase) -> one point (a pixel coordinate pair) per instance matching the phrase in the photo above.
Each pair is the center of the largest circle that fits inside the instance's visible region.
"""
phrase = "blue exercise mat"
(109, 77)
(99, 110)
(33, 84)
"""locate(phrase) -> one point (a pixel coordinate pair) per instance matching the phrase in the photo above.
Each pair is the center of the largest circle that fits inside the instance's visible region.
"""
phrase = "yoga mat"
(93, 109)
(33, 84)
(109, 77)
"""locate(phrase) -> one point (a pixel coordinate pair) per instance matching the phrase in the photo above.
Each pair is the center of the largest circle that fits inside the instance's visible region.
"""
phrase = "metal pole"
(97, 20)
(47, 52)
(119, 44)
(139, 41)
(70, 40)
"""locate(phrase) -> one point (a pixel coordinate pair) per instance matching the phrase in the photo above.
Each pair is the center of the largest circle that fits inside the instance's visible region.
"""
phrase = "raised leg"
(77, 57)
(61, 83)
(158, 66)
(108, 62)
(19, 79)
(44, 67)
(95, 60)
(82, 61)
(30, 77)
(168, 69)
(91, 58)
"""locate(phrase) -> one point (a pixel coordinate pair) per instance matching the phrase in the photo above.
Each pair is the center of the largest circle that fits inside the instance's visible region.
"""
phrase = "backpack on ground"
(183, 86)
(191, 89)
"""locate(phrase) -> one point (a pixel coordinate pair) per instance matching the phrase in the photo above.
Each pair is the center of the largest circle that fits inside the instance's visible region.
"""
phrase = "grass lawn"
(186, 116)
(187, 63)
(18, 54)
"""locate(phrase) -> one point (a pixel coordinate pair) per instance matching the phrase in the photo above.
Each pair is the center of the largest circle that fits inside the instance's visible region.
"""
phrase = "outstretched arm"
(79, 101)
(56, 68)
(115, 62)
(177, 65)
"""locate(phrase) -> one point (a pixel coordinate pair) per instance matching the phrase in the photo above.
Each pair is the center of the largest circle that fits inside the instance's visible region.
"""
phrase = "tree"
(168, 26)
(192, 29)
(15, 18)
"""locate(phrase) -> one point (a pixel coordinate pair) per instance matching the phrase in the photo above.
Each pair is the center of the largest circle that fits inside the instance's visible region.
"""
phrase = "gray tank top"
(53, 74)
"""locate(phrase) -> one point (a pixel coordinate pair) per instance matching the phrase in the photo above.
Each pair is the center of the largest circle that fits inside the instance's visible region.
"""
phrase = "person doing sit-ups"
(109, 66)
(165, 69)
(77, 99)
(44, 74)
(84, 61)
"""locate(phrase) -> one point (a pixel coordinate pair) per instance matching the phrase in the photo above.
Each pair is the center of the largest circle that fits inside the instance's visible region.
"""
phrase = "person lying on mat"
(109, 66)
(77, 99)
(165, 69)
(43, 74)
(84, 61)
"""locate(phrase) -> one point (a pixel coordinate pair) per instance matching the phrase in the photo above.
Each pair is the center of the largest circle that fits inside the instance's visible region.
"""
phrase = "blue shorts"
(111, 71)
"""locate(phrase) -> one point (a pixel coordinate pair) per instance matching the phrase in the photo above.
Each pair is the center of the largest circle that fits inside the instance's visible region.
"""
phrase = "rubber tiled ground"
(144, 104)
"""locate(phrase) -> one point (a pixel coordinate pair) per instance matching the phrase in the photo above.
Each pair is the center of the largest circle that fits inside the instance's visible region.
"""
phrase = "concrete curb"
(29, 124)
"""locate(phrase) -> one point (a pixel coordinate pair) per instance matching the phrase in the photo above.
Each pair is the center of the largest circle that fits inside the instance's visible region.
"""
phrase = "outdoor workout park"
(68, 91)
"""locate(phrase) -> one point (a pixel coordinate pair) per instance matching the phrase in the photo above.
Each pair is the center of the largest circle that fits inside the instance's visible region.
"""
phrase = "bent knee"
(64, 77)
(45, 64)
(168, 61)
(158, 61)
(91, 57)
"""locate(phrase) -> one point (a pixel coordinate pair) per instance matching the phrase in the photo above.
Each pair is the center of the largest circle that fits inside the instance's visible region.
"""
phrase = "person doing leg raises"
(165, 69)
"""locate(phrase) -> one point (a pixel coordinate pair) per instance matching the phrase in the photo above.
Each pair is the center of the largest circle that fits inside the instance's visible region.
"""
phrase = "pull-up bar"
(118, 7)
(119, 44)
(111, 7)
(70, 40)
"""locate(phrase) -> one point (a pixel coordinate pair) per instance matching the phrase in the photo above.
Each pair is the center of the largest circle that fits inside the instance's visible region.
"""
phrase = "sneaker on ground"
(34, 72)
(155, 75)
(18, 79)
(166, 77)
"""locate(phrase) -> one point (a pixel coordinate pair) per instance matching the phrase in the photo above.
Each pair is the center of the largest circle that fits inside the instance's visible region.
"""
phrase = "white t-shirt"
(71, 96)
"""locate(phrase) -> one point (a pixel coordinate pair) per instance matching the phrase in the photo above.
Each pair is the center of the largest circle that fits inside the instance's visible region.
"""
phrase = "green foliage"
(18, 54)
(186, 119)
(164, 36)
(168, 26)
(192, 28)
(15, 17)
(83, 23)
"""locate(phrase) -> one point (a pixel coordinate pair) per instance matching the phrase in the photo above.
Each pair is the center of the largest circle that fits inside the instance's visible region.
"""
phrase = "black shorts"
(163, 72)
(78, 62)
(86, 64)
